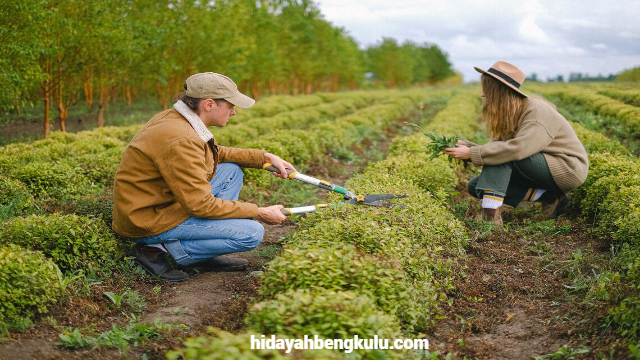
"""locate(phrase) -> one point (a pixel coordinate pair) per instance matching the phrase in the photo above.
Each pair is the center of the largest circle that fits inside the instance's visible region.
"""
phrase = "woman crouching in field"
(534, 154)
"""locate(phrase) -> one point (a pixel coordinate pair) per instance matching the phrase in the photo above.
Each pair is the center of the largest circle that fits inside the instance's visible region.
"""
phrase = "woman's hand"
(460, 152)
(279, 163)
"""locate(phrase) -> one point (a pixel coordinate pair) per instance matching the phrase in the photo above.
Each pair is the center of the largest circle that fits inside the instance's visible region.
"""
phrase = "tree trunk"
(272, 86)
(17, 106)
(127, 92)
(105, 96)
(114, 95)
(308, 89)
(162, 95)
(46, 112)
(335, 83)
(47, 99)
(62, 110)
(295, 87)
(254, 89)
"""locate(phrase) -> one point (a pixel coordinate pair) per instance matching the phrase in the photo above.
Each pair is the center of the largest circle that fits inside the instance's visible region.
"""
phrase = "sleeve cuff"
(258, 157)
(250, 209)
(474, 153)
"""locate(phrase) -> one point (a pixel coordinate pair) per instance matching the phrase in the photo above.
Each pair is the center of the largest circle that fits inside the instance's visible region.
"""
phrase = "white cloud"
(570, 24)
(547, 37)
(531, 31)
(629, 35)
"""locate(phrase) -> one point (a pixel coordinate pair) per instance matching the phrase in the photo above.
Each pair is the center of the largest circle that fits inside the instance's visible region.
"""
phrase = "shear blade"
(376, 197)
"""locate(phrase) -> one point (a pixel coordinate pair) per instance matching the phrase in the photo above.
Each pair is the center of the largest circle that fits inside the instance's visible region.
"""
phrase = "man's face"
(218, 115)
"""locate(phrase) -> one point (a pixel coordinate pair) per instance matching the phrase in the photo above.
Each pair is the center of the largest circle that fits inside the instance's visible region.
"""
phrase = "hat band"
(504, 77)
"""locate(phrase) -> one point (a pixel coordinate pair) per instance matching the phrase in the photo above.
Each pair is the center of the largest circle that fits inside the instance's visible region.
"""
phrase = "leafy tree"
(391, 63)
(629, 75)
(21, 24)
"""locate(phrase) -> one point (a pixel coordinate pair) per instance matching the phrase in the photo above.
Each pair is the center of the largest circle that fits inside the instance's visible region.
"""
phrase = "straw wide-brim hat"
(507, 74)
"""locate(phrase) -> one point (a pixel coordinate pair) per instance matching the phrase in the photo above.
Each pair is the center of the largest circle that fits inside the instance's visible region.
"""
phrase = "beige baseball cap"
(211, 85)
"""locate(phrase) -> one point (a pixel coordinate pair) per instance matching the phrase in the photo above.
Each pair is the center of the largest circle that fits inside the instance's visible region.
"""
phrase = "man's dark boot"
(156, 263)
(220, 263)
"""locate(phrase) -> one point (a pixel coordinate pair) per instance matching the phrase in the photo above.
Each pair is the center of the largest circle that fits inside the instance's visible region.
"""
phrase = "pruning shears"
(349, 197)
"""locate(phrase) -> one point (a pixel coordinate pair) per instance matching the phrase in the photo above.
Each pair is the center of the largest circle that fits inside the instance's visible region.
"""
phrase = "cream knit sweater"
(540, 129)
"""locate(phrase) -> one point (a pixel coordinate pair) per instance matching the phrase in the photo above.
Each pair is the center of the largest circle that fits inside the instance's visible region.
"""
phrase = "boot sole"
(158, 276)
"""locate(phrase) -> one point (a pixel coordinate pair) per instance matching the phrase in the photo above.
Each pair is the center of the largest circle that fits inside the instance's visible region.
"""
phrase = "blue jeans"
(199, 239)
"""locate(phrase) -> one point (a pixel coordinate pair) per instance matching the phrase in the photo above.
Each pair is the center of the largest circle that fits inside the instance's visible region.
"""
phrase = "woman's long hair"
(502, 108)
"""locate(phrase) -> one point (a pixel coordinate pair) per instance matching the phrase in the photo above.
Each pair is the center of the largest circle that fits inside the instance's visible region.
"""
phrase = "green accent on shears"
(340, 190)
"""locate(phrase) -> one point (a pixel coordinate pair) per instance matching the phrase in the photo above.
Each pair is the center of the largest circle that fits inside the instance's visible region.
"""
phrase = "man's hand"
(271, 214)
(461, 152)
(279, 163)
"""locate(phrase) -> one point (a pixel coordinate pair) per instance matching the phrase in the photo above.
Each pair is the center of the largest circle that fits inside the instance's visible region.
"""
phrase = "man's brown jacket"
(163, 178)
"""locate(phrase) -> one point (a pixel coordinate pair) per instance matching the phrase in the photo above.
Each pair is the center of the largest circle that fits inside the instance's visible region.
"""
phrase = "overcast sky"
(540, 36)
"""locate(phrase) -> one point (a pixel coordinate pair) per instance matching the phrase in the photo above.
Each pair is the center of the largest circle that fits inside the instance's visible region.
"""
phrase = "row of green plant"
(460, 118)
(609, 201)
(73, 173)
(300, 146)
(360, 270)
(240, 130)
(627, 96)
(628, 116)
(272, 105)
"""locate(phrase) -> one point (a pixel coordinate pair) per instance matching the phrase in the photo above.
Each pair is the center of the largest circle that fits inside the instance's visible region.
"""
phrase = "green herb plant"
(438, 142)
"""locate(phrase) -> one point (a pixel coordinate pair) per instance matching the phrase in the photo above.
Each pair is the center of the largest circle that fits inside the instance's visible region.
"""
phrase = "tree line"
(62, 52)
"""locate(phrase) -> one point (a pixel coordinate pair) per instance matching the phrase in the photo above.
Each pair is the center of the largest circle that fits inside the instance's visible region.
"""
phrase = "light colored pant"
(199, 239)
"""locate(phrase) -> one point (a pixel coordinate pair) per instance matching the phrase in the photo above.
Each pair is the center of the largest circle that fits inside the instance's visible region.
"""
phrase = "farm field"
(535, 288)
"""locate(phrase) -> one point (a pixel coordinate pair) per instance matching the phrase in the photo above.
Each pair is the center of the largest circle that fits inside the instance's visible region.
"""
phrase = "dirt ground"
(217, 299)
(511, 301)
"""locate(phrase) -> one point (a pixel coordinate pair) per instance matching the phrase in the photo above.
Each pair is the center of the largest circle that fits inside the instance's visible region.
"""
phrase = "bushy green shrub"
(595, 142)
(620, 211)
(332, 134)
(626, 316)
(627, 115)
(95, 204)
(628, 96)
(326, 313)
(29, 283)
(600, 166)
(98, 168)
(235, 135)
(122, 133)
(296, 148)
(15, 198)
(221, 345)
(415, 143)
(71, 241)
(341, 267)
(460, 116)
(55, 180)
(430, 175)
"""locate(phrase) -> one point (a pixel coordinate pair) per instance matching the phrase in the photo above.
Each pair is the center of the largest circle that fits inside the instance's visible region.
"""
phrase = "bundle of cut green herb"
(439, 142)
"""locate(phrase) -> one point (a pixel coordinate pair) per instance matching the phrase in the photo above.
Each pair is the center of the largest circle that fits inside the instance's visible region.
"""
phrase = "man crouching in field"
(176, 190)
